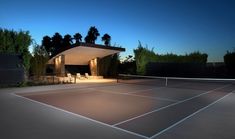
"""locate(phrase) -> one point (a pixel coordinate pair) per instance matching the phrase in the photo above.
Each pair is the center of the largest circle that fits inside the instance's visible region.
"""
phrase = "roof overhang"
(82, 54)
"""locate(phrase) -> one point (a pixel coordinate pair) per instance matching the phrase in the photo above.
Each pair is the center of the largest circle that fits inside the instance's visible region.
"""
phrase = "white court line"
(135, 95)
(80, 116)
(61, 90)
(137, 91)
(58, 91)
(168, 106)
(157, 98)
(144, 90)
(175, 124)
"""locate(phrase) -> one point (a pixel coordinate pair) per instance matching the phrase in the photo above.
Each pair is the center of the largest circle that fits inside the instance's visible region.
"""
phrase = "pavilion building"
(87, 55)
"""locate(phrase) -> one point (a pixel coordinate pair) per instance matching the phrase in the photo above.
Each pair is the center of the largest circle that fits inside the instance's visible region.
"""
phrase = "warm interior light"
(95, 61)
(59, 59)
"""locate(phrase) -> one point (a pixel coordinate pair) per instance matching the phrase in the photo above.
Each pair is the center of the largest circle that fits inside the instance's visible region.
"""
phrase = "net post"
(166, 81)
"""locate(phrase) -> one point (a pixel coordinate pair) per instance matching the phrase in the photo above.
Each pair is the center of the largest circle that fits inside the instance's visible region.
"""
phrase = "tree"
(128, 65)
(87, 39)
(108, 65)
(197, 57)
(67, 41)
(92, 35)
(229, 60)
(128, 58)
(39, 60)
(47, 44)
(17, 43)
(106, 38)
(143, 56)
(57, 43)
(78, 38)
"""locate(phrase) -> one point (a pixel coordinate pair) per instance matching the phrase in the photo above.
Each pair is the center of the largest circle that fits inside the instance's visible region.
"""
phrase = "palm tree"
(78, 38)
(57, 41)
(87, 39)
(47, 44)
(92, 35)
(67, 41)
(106, 39)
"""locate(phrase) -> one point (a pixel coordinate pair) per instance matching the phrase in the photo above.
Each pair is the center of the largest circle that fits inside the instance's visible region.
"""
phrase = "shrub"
(229, 60)
(143, 56)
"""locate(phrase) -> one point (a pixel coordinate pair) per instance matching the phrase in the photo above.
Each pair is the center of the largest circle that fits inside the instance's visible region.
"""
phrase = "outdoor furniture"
(78, 76)
(70, 78)
(87, 76)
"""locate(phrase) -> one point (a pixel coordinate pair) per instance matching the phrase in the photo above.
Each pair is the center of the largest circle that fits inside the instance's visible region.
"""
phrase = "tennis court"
(145, 108)
(141, 106)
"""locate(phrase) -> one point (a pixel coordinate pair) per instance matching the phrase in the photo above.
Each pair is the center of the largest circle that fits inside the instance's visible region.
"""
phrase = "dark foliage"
(106, 39)
(78, 38)
(127, 66)
(57, 43)
(108, 65)
(14, 42)
(38, 61)
(92, 35)
(47, 43)
(229, 60)
(174, 69)
(144, 56)
(67, 41)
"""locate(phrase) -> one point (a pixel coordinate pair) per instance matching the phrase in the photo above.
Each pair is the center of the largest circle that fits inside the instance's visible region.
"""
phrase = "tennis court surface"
(147, 107)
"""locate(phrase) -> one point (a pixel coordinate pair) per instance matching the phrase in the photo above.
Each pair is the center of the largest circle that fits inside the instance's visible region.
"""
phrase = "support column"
(94, 68)
(60, 65)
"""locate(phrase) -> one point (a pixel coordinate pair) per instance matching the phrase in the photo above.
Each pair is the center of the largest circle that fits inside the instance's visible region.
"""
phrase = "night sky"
(170, 26)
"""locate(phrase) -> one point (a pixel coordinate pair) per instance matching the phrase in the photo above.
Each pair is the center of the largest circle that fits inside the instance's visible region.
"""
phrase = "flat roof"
(83, 53)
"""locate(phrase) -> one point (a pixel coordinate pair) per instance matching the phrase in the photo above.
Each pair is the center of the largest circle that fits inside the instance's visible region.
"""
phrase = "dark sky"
(170, 26)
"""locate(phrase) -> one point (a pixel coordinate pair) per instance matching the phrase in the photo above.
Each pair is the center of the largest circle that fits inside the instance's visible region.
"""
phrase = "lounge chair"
(87, 76)
(79, 76)
(70, 78)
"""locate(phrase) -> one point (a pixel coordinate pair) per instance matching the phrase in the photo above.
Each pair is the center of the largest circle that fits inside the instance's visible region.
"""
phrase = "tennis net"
(190, 83)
